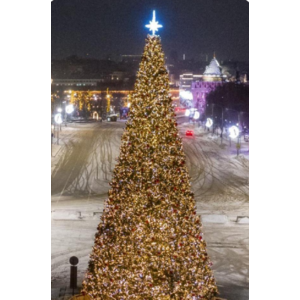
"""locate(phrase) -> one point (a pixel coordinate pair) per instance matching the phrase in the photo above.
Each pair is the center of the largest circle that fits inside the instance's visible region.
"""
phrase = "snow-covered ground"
(82, 169)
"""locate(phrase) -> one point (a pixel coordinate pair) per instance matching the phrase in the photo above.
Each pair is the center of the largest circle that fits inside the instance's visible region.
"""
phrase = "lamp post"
(238, 114)
(52, 134)
(58, 120)
(209, 122)
(222, 124)
(234, 132)
(59, 110)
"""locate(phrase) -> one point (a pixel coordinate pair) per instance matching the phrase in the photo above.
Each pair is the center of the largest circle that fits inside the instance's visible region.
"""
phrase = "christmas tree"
(149, 243)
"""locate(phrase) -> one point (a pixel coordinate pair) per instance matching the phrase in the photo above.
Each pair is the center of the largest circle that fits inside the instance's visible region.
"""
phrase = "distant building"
(194, 88)
(213, 72)
(76, 82)
(185, 88)
(118, 75)
(173, 81)
(200, 90)
(130, 58)
(185, 81)
(211, 79)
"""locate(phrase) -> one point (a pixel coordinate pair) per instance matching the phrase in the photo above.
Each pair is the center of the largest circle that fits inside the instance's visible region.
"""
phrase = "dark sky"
(113, 27)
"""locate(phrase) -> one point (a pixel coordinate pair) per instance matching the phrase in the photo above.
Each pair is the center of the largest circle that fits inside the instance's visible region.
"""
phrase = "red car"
(189, 133)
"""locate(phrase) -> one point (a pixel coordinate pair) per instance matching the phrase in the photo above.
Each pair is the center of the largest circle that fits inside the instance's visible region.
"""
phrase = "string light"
(149, 243)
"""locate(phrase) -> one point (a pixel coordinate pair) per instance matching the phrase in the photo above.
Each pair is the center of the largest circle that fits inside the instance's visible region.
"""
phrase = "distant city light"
(59, 110)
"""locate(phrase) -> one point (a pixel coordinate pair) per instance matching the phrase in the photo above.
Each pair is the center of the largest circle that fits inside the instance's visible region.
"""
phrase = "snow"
(214, 219)
(81, 172)
(242, 220)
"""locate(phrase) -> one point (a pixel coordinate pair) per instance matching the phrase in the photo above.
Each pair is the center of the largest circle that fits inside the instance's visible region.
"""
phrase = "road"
(87, 161)
(81, 173)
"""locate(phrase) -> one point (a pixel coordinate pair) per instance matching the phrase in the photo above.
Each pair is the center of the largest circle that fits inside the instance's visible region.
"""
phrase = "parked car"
(189, 133)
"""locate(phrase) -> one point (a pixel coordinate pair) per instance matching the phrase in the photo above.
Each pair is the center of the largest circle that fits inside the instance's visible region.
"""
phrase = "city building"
(213, 72)
(186, 79)
(211, 79)
(195, 88)
(131, 58)
(200, 90)
(76, 82)
(185, 88)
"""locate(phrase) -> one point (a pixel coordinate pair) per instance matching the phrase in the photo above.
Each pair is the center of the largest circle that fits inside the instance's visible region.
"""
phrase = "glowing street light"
(187, 113)
(209, 122)
(186, 95)
(196, 115)
(58, 118)
(234, 132)
(69, 108)
(59, 110)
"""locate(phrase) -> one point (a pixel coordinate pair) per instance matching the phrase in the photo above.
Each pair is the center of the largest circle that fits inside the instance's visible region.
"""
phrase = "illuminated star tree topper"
(153, 26)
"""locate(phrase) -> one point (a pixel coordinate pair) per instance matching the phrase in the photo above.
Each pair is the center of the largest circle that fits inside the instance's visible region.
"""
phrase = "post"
(51, 141)
(238, 146)
(57, 136)
(240, 119)
(222, 125)
(73, 272)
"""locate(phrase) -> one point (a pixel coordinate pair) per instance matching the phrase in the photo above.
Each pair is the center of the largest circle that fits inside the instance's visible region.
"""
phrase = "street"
(82, 167)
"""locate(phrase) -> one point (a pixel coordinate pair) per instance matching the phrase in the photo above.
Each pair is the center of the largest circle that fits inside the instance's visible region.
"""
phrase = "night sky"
(102, 28)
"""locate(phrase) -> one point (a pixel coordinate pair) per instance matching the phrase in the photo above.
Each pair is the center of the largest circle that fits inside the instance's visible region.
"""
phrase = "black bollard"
(73, 272)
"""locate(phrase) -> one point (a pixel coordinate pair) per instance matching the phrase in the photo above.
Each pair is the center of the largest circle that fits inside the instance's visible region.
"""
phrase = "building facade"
(194, 88)
(76, 82)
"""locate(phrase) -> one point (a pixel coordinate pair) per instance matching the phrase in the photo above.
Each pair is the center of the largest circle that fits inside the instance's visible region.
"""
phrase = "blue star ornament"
(153, 26)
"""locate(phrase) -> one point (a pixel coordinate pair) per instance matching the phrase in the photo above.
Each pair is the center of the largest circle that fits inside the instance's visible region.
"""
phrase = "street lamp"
(234, 132)
(209, 122)
(196, 115)
(236, 111)
(222, 118)
(69, 108)
(58, 120)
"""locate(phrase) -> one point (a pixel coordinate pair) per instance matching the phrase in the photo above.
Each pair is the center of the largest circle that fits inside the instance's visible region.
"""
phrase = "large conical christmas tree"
(149, 243)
